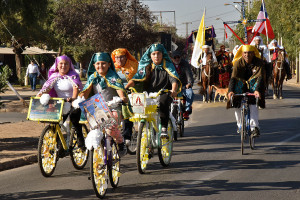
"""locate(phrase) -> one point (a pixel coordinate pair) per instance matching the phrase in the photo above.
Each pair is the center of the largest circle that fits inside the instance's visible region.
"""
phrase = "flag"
(200, 41)
(266, 28)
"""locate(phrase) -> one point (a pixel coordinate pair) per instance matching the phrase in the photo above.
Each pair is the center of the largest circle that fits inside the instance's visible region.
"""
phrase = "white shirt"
(63, 88)
(32, 69)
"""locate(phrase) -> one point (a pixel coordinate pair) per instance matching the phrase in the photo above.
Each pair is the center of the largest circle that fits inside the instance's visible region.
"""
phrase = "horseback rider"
(225, 66)
(184, 71)
(274, 48)
(202, 60)
(247, 76)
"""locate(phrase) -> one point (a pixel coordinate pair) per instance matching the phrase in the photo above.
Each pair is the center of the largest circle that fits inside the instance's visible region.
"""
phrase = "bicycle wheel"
(165, 149)
(47, 151)
(79, 157)
(99, 171)
(180, 126)
(133, 142)
(142, 151)
(252, 142)
(175, 115)
(114, 167)
(243, 130)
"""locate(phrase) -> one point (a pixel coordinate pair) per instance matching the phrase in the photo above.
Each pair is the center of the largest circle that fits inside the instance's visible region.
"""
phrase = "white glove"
(77, 101)
(114, 102)
(93, 139)
(44, 100)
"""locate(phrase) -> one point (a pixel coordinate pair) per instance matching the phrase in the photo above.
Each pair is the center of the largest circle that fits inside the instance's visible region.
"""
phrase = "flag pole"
(265, 21)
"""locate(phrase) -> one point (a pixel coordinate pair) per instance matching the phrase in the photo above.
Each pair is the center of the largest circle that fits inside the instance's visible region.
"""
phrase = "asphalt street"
(207, 163)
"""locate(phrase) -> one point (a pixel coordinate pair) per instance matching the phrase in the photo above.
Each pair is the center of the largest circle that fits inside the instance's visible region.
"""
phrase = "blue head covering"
(146, 60)
(111, 79)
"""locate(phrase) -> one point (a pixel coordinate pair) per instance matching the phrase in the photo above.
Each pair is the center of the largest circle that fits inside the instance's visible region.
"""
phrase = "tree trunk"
(18, 66)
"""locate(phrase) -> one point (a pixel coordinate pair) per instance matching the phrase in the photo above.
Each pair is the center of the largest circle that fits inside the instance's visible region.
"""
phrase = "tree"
(104, 26)
(23, 23)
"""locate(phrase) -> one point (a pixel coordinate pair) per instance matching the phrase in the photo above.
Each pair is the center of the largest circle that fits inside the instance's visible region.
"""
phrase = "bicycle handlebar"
(246, 94)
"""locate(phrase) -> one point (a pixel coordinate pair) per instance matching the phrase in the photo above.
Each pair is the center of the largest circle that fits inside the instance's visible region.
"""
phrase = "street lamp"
(235, 6)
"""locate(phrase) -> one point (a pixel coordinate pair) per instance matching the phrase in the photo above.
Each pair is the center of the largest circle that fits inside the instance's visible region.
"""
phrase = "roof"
(28, 50)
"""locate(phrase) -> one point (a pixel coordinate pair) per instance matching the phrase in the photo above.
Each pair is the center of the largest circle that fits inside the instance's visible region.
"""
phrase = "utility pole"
(187, 28)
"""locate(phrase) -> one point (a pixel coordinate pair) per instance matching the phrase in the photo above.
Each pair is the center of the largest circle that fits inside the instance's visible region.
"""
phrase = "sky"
(192, 11)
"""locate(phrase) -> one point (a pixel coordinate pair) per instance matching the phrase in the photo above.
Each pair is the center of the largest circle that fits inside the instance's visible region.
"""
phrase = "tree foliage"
(104, 26)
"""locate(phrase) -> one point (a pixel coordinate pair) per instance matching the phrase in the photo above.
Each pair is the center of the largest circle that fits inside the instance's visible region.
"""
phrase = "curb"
(26, 160)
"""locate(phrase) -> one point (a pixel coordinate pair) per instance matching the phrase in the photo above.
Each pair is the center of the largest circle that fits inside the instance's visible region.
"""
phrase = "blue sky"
(192, 11)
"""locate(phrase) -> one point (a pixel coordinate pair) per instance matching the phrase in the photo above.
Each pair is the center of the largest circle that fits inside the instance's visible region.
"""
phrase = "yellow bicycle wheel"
(47, 151)
(114, 168)
(79, 157)
(99, 171)
(165, 148)
(143, 142)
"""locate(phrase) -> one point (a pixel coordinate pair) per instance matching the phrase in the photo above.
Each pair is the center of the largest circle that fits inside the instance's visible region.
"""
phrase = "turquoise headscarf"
(166, 64)
(111, 79)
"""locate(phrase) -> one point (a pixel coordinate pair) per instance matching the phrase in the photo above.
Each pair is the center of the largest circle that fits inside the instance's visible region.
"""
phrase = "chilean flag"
(266, 28)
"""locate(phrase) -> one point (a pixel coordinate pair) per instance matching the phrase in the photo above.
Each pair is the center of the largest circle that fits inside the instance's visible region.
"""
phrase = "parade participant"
(65, 83)
(202, 60)
(157, 71)
(262, 49)
(225, 67)
(247, 76)
(184, 71)
(128, 65)
(274, 47)
(102, 78)
(33, 72)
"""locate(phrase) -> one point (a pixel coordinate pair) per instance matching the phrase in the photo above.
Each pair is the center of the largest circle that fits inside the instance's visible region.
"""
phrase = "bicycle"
(48, 147)
(145, 113)
(105, 159)
(245, 120)
(177, 110)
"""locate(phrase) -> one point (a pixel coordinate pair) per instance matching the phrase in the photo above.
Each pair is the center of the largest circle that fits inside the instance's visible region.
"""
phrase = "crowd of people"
(157, 70)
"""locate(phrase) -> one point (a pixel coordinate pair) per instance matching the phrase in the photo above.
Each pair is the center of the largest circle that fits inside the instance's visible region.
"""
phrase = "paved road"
(206, 164)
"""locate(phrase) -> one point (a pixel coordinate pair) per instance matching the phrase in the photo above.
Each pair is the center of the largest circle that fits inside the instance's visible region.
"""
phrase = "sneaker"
(122, 149)
(186, 115)
(127, 142)
(255, 132)
(164, 133)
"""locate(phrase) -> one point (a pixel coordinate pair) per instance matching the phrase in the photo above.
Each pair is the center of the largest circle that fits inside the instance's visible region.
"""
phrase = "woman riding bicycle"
(247, 76)
(157, 71)
(64, 82)
(102, 78)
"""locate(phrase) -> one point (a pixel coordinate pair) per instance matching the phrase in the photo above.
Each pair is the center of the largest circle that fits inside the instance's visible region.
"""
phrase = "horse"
(207, 79)
(278, 74)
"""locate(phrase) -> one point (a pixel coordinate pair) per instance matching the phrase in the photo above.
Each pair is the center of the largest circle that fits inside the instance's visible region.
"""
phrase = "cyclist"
(102, 78)
(127, 64)
(64, 82)
(157, 71)
(184, 71)
(247, 76)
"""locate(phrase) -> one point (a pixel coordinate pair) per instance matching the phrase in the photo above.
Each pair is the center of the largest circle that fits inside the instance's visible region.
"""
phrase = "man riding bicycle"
(247, 76)
(184, 71)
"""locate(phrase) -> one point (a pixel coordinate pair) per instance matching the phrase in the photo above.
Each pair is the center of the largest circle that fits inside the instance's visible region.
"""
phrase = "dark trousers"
(32, 78)
(127, 132)
(75, 114)
(164, 109)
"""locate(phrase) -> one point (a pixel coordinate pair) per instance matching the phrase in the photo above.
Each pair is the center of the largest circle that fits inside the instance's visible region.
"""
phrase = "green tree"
(27, 21)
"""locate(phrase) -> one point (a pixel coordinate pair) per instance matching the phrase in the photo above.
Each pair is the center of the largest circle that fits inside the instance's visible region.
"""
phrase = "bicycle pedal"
(89, 178)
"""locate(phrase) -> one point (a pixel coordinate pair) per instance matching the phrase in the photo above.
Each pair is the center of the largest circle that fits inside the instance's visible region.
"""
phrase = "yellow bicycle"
(148, 139)
(52, 136)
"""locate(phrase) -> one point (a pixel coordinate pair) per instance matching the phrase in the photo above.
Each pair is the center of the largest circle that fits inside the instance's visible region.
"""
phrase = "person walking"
(32, 72)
